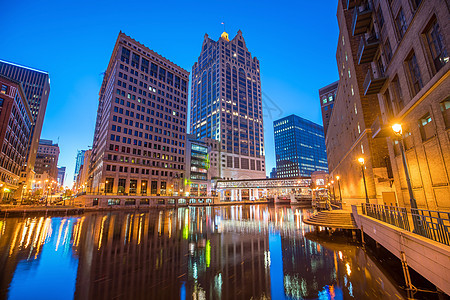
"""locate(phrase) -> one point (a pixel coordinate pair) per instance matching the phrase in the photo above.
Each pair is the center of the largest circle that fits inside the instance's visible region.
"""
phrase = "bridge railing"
(432, 224)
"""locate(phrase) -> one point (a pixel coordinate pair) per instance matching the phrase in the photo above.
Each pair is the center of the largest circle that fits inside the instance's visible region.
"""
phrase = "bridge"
(255, 189)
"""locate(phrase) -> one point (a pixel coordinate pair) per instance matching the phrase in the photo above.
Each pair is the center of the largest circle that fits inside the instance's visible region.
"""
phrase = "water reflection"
(240, 252)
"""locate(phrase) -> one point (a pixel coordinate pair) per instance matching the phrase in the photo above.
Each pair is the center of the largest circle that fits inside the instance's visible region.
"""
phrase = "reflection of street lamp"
(361, 162)
(397, 128)
(339, 186)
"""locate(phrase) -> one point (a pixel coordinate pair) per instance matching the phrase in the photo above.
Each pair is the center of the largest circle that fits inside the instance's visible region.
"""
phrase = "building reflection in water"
(236, 252)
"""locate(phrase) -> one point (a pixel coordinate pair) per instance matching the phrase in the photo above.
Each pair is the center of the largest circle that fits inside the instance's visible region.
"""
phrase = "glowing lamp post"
(362, 162)
(334, 194)
(339, 186)
(397, 128)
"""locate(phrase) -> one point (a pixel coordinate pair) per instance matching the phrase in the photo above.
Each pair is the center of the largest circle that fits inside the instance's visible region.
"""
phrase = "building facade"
(299, 147)
(226, 105)
(406, 45)
(349, 136)
(202, 169)
(36, 86)
(140, 133)
(46, 166)
(15, 131)
(327, 96)
(78, 163)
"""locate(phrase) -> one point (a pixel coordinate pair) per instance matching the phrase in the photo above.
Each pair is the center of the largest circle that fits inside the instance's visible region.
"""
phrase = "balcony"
(367, 49)
(362, 17)
(352, 3)
(373, 82)
(379, 130)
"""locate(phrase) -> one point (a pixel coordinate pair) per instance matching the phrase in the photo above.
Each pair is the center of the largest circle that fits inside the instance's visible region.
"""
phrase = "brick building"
(140, 133)
(393, 66)
(46, 166)
(349, 134)
(327, 96)
(15, 130)
(411, 58)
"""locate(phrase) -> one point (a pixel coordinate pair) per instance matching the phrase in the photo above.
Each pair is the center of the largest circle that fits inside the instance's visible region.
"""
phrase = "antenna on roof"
(223, 23)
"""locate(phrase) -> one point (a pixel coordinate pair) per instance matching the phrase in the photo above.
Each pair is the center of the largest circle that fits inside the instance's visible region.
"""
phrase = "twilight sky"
(295, 42)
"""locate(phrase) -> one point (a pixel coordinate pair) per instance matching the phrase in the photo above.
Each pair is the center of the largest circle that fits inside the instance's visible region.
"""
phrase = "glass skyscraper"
(299, 147)
(226, 105)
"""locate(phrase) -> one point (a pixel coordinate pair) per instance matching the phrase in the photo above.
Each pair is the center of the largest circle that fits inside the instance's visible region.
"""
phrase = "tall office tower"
(226, 105)
(15, 129)
(327, 95)
(140, 134)
(47, 161)
(78, 163)
(36, 85)
(299, 147)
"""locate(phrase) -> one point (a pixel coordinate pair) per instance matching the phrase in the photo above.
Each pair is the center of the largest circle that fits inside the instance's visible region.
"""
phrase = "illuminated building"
(392, 58)
(46, 167)
(140, 134)
(79, 161)
(36, 87)
(327, 96)
(299, 147)
(202, 158)
(61, 175)
(226, 105)
(15, 130)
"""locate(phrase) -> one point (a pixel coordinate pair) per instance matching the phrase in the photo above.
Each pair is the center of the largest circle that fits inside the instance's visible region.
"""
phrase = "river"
(229, 252)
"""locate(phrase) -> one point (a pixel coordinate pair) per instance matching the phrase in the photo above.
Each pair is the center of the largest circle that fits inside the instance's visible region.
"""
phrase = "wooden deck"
(341, 219)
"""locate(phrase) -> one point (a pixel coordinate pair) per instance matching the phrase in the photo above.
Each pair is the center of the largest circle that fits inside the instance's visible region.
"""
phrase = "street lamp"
(339, 186)
(361, 162)
(334, 194)
(106, 182)
(397, 128)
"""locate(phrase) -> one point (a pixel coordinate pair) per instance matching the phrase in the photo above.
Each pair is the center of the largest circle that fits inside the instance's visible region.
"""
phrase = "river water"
(230, 252)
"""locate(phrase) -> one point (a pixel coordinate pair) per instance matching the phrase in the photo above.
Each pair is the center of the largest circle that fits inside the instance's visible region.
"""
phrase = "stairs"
(332, 219)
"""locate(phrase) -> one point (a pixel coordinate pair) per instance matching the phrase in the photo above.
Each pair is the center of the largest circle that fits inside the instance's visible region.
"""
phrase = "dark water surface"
(237, 252)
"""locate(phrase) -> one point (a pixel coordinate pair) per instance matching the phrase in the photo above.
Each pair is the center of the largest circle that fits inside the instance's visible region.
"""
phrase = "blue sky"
(295, 42)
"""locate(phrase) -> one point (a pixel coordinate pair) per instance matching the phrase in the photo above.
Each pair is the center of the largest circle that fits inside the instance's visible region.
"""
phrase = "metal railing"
(432, 224)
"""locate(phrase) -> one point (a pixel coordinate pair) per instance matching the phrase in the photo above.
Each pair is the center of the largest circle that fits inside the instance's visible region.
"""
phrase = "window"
(4, 89)
(380, 18)
(416, 3)
(400, 22)
(397, 97)
(387, 51)
(426, 128)
(324, 100)
(445, 109)
(414, 73)
(435, 41)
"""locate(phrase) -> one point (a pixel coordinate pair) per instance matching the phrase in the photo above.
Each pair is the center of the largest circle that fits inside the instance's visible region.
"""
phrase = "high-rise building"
(83, 175)
(15, 130)
(327, 96)
(403, 59)
(46, 167)
(273, 173)
(78, 163)
(226, 105)
(140, 134)
(61, 175)
(36, 86)
(299, 147)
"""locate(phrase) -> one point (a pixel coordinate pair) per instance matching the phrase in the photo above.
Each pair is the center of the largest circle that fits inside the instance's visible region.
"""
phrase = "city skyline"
(288, 78)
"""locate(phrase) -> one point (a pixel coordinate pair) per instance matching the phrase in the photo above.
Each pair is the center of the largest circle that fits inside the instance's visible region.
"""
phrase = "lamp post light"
(334, 194)
(361, 162)
(339, 186)
(45, 189)
(106, 183)
(397, 128)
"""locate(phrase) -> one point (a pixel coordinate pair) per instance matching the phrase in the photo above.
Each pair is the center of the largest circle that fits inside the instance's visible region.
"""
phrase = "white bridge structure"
(263, 189)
